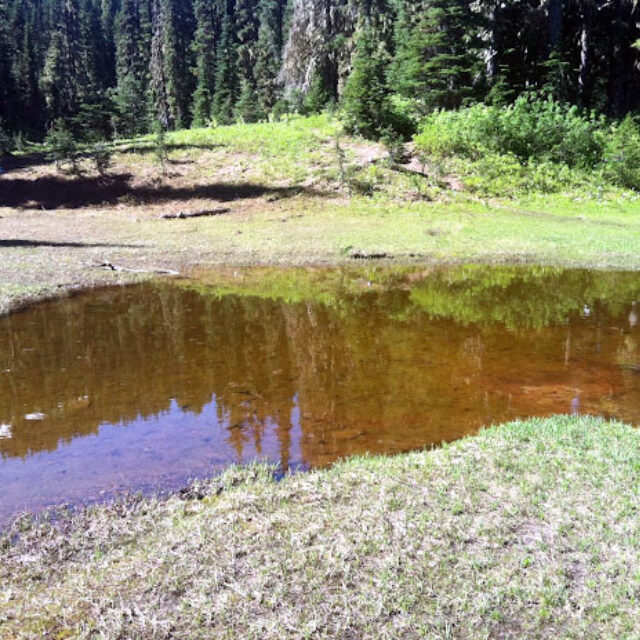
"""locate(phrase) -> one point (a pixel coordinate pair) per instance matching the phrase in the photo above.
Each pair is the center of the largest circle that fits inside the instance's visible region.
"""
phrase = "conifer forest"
(106, 68)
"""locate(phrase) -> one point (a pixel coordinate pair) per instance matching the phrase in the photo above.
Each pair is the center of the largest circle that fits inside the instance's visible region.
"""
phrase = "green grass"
(301, 213)
(526, 530)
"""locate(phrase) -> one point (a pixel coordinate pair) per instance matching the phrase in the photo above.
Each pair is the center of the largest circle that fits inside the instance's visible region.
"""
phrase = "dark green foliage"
(268, 54)
(118, 65)
(318, 97)
(63, 147)
(204, 47)
(247, 108)
(226, 81)
(366, 109)
(436, 59)
(65, 75)
(101, 156)
(131, 93)
(6, 145)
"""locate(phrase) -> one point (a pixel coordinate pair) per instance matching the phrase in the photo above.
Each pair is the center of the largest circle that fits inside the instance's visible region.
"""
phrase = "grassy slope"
(292, 209)
(527, 530)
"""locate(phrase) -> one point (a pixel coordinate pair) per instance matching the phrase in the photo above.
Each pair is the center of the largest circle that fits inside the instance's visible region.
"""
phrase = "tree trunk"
(555, 25)
(584, 74)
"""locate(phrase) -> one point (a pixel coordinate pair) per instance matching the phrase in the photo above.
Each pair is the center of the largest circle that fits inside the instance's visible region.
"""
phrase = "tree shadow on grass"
(12, 243)
(10, 162)
(54, 192)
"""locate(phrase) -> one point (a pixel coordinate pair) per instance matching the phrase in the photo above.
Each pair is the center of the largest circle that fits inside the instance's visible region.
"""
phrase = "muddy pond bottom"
(148, 386)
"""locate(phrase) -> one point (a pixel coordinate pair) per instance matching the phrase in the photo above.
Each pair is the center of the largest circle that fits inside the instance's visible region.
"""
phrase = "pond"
(147, 386)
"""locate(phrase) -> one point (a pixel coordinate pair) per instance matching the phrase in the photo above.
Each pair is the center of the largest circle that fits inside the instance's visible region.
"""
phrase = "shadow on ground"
(12, 243)
(54, 192)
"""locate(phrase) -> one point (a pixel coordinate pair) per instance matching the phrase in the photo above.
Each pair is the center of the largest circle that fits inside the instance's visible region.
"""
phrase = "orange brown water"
(144, 387)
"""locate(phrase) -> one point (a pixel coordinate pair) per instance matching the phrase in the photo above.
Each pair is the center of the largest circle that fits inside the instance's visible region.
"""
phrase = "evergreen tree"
(108, 17)
(131, 95)
(247, 107)
(180, 59)
(160, 106)
(436, 61)
(365, 101)
(246, 35)
(64, 76)
(25, 71)
(7, 89)
(269, 52)
(226, 80)
(204, 47)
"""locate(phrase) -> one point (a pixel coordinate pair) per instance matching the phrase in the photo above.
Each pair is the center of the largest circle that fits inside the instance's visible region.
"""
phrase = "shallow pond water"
(144, 387)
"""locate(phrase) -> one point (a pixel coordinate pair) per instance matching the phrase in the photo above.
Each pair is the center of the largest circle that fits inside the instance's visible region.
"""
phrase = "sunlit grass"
(527, 530)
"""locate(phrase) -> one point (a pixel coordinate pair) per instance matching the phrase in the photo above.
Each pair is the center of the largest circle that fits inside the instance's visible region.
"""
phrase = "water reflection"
(146, 386)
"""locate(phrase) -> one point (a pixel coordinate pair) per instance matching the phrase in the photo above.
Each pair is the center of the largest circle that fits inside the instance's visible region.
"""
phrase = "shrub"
(64, 150)
(533, 144)
(622, 154)
(5, 141)
(101, 156)
(529, 129)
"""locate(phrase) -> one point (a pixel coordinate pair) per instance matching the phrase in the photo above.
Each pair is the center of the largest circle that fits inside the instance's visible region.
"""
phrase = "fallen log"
(184, 215)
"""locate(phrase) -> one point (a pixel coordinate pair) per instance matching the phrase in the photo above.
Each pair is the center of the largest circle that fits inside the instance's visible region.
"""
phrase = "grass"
(286, 205)
(526, 530)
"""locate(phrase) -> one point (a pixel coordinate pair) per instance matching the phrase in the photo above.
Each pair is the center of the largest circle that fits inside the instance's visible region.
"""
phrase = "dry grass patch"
(527, 530)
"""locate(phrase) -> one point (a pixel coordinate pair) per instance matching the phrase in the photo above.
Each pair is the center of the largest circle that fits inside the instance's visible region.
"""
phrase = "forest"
(118, 68)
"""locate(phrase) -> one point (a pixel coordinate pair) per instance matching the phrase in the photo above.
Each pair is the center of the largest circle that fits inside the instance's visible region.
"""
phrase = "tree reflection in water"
(172, 381)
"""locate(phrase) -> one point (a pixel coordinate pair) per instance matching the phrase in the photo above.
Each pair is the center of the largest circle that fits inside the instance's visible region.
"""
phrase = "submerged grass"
(526, 530)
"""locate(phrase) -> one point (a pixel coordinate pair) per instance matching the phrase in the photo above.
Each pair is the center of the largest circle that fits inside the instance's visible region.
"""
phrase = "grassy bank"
(527, 530)
(275, 193)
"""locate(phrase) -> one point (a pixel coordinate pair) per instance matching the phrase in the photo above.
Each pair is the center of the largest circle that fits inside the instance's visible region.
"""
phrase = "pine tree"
(160, 107)
(247, 107)
(226, 81)
(180, 59)
(269, 53)
(7, 87)
(204, 47)
(435, 58)
(64, 76)
(365, 101)
(28, 95)
(246, 34)
(131, 95)
(108, 17)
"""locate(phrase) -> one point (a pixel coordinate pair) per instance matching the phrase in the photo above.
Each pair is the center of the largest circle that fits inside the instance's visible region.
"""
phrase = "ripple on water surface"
(147, 386)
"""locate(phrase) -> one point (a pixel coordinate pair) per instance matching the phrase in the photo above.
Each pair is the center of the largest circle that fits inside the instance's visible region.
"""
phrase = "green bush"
(529, 129)
(533, 144)
(63, 147)
(622, 155)
(6, 145)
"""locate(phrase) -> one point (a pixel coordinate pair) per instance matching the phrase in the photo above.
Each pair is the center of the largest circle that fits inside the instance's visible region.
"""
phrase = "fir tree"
(247, 107)
(160, 107)
(109, 13)
(268, 56)
(180, 60)
(131, 95)
(435, 62)
(204, 47)
(246, 36)
(7, 88)
(226, 81)
(365, 102)
(64, 78)
(25, 71)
